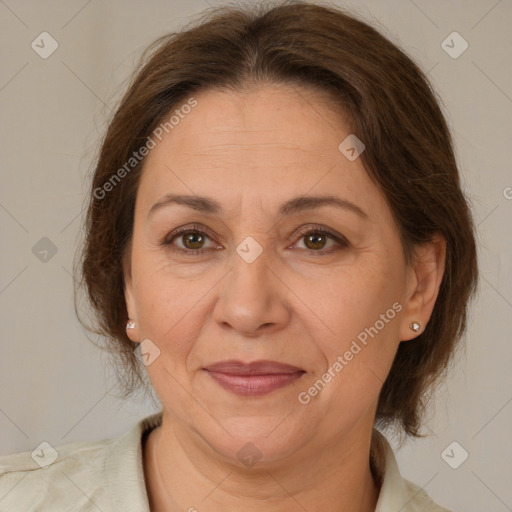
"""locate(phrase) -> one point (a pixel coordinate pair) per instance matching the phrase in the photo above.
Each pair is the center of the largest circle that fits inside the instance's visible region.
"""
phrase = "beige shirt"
(108, 476)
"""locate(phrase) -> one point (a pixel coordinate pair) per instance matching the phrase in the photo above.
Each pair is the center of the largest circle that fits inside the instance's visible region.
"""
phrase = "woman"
(277, 235)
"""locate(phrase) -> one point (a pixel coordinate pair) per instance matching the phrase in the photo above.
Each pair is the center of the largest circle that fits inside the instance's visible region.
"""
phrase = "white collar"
(127, 488)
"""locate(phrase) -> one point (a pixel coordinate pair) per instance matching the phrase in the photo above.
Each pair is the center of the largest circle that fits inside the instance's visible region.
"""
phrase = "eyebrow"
(290, 207)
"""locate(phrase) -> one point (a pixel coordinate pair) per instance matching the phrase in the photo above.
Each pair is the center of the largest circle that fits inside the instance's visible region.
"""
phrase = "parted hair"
(392, 108)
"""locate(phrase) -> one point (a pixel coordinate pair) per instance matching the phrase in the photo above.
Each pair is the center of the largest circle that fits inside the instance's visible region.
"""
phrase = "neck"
(181, 475)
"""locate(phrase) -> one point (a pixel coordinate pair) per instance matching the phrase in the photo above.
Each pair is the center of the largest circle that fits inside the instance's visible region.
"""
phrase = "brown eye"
(315, 241)
(193, 239)
(189, 240)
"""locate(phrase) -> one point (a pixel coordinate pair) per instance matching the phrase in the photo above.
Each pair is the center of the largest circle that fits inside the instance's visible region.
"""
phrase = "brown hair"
(393, 110)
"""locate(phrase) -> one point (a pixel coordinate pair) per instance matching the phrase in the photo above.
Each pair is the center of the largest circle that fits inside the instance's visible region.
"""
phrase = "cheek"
(355, 297)
(172, 308)
(356, 361)
(362, 308)
(162, 303)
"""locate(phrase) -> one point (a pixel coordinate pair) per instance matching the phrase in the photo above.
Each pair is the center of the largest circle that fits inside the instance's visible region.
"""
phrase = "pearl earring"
(130, 324)
(415, 326)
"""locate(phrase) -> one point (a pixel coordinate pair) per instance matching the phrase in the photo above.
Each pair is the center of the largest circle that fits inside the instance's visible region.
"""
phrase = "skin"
(251, 151)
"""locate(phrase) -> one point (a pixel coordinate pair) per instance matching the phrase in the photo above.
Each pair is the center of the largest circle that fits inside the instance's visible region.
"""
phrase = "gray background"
(58, 387)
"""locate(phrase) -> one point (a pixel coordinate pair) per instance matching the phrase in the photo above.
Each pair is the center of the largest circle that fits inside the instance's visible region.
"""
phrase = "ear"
(424, 277)
(129, 295)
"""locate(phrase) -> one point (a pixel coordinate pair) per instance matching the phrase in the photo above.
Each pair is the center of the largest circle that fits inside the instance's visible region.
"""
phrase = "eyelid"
(340, 240)
(338, 237)
(185, 229)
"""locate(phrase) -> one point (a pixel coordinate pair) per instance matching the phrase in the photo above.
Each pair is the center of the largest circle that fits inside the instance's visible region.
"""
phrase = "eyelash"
(343, 243)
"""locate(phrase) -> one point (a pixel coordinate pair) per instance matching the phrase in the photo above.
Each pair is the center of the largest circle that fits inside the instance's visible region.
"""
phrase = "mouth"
(253, 379)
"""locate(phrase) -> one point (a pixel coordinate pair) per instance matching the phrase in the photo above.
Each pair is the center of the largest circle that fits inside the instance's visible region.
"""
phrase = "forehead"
(275, 140)
(295, 118)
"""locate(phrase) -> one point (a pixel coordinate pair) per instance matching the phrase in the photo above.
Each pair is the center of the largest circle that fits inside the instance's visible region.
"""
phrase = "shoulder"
(106, 475)
(396, 492)
(421, 500)
(49, 477)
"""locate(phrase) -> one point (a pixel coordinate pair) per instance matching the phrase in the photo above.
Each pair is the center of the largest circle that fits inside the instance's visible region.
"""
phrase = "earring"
(130, 324)
(415, 326)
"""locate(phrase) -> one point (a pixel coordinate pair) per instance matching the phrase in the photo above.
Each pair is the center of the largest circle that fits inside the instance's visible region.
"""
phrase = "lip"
(262, 367)
(256, 378)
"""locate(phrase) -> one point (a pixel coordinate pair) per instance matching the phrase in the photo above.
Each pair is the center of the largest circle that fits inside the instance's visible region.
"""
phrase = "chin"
(256, 441)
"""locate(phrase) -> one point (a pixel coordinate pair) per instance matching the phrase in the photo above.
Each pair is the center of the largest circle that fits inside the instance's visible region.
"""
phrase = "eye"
(316, 238)
(193, 238)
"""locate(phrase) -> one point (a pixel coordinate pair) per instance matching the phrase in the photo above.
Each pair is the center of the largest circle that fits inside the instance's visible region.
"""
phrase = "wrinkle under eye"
(202, 234)
(183, 233)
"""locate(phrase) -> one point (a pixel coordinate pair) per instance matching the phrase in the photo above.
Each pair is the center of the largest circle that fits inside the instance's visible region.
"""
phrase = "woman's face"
(319, 286)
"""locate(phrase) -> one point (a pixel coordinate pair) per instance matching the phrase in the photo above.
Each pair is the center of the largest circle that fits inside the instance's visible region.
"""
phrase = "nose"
(253, 299)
